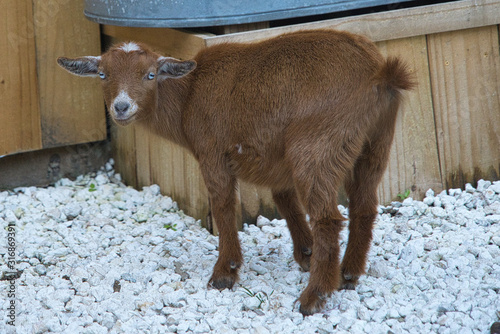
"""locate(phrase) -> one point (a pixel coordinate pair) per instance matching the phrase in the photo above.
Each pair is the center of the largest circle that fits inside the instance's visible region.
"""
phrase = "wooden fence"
(448, 132)
(41, 106)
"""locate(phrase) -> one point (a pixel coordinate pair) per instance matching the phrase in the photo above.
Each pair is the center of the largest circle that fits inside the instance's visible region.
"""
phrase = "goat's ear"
(174, 68)
(83, 66)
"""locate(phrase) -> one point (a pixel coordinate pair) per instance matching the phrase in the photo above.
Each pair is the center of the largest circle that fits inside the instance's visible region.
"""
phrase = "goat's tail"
(394, 76)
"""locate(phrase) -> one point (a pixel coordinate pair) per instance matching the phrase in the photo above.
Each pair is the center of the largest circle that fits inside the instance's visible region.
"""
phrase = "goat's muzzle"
(121, 109)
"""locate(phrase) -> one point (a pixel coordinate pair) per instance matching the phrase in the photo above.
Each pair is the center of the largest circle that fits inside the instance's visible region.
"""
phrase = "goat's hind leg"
(289, 207)
(326, 223)
(317, 185)
(362, 214)
(361, 187)
(325, 273)
(318, 172)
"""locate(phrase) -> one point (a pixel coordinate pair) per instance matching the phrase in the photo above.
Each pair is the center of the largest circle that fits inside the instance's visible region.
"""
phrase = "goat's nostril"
(121, 107)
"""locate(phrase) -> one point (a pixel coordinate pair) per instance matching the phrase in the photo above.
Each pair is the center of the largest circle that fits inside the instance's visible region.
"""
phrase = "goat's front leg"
(222, 191)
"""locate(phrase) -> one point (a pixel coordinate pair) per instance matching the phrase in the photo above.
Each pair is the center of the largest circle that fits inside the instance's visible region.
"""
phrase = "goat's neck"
(167, 118)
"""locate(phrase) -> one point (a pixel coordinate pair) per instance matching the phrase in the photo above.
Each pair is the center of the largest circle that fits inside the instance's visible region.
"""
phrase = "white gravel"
(98, 257)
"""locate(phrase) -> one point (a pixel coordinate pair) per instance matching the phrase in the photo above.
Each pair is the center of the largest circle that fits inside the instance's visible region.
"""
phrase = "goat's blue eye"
(102, 75)
(151, 76)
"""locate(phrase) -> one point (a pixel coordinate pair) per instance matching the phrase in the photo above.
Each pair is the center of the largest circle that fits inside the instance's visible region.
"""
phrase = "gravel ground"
(99, 257)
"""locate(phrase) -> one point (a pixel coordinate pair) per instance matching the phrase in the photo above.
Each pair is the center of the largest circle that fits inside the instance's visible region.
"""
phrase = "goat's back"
(257, 96)
(290, 71)
(292, 76)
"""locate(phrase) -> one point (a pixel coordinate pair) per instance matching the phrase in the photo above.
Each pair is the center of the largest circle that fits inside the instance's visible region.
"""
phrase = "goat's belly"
(267, 171)
(272, 178)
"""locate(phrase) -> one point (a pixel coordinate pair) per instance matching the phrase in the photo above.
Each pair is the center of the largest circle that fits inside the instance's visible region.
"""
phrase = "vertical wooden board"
(256, 201)
(123, 146)
(177, 173)
(159, 160)
(194, 187)
(249, 201)
(465, 73)
(142, 150)
(414, 161)
(72, 108)
(19, 111)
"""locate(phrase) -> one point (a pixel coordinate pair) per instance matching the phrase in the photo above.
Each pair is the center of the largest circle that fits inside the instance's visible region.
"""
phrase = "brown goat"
(303, 113)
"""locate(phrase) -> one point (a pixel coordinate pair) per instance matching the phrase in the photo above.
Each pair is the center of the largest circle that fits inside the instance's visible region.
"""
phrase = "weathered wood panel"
(42, 168)
(124, 153)
(414, 160)
(396, 24)
(465, 73)
(142, 151)
(235, 28)
(71, 108)
(177, 173)
(256, 201)
(19, 110)
(198, 198)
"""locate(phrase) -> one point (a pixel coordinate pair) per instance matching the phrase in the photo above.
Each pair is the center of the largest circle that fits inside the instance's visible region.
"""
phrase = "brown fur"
(304, 114)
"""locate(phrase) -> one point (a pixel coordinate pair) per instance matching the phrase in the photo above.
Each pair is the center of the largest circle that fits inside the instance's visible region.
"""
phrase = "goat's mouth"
(123, 121)
(124, 117)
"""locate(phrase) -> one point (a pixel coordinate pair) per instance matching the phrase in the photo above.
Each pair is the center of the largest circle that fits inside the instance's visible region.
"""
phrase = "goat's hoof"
(224, 277)
(312, 302)
(495, 328)
(307, 251)
(303, 258)
(349, 281)
(222, 282)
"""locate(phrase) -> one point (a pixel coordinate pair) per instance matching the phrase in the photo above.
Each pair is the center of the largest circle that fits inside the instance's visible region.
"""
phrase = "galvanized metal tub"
(203, 13)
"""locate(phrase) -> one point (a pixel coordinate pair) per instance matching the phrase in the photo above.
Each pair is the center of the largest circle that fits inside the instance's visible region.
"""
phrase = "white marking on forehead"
(129, 47)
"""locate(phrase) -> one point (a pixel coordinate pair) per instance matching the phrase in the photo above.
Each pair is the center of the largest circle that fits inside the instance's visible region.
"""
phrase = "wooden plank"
(414, 160)
(42, 168)
(235, 28)
(72, 109)
(124, 154)
(256, 201)
(160, 164)
(142, 151)
(19, 111)
(197, 201)
(465, 73)
(177, 173)
(394, 24)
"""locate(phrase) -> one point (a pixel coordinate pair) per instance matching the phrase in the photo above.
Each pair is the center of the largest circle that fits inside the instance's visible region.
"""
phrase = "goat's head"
(130, 74)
